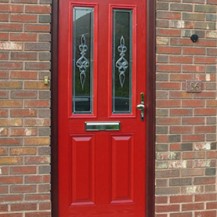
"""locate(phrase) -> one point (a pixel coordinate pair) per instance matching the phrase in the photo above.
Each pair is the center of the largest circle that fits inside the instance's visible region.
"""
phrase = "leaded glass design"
(83, 63)
(82, 93)
(122, 61)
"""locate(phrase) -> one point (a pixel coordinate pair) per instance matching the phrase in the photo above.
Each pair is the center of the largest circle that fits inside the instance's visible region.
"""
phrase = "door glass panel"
(82, 93)
(122, 61)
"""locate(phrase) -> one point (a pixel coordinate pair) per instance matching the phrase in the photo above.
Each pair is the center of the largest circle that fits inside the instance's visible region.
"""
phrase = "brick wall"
(186, 122)
(24, 108)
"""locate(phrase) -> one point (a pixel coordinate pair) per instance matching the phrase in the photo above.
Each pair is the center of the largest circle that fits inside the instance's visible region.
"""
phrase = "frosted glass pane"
(82, 99)
(122, 61)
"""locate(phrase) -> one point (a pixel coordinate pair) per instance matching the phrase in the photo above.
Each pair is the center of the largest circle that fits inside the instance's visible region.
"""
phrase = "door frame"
(150, 108)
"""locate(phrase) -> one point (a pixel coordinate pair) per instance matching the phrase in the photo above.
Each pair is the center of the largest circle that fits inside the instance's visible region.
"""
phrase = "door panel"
(101, 139)
(82, 171)
(122, 169)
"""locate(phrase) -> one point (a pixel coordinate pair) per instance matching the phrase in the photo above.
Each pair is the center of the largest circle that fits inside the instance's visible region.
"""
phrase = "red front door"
(101, 115)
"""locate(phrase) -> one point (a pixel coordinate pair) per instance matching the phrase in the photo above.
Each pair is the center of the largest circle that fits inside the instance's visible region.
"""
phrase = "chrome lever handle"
(141, 106)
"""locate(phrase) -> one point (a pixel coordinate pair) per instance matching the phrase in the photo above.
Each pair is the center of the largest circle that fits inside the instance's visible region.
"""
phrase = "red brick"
(37, 66)
(38, 9)
(23, 151)
(4, 55)
(193, 51)
(207, 43)
(11, 27)
(4, 17)
(45, 206)
(37, 28)
(25, 1)
(168, 103)
(205, 129)
(23, 94)
(205, 197)
(193, 155)
(11, 8)
(181, 129)
(10, 85)
(160, 215)
(4, 94)
(23, 112)
(12, 122)
(211, 154)
(193, 103)
(193, 68)
(36, 214)
(169, 121)
(34, 179)
(175, 147)
(44, 188)
(23, 56)
(193, 138)
(23, 206)
(193, 121)
(204, 180)
(179, 95)
(181, 112)
(168, 68)
(11, 215)
(30, 37)
(23, 18)
(23, 188)
(3, 208)
(35, 85)
(10, 160)
(182, 214)
(168, 50)
(211, 205)
(180, 42)
(211, 103)
(169, 32)
(37, 160)
(162, 138)
(161, 199)
(11, 180)
(3, 151)
(36, 103)
(37, 141)
(10, 65)
(4, 36)
(181, 199)
(37, 197)
(181, 77)
(37, 122)
(212, 2)
(206, 213)
(192, 172)
(10, 141)
(3, 113)
(205, 60)
(23, 170)
(181, 59)
(167, 208)
(168, 15)
(23, 132)
(24, 75)
(192, 206)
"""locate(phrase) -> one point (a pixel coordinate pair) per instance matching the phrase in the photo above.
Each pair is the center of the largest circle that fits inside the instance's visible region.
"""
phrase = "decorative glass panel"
(122, 61)
(82, 99)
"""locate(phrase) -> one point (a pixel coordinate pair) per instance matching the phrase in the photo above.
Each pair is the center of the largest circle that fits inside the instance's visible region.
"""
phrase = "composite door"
(101, 112)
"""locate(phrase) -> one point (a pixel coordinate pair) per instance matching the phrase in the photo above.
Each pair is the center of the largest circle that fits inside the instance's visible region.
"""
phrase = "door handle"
(141, 106)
